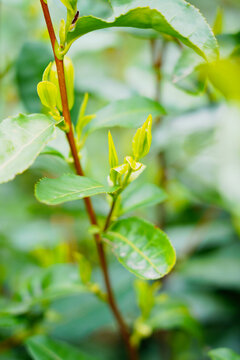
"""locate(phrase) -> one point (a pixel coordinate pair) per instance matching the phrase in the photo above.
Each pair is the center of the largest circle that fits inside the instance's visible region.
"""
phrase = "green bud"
(69, 77)
(117, 172)
(83, 119)
(47, 93)
(134, 165)
(121, 169)
(113, 158)
(45, 76)
(62, 32)
(142, 139)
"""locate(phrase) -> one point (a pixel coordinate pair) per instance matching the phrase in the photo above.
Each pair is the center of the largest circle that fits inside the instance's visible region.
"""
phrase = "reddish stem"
(88, 204)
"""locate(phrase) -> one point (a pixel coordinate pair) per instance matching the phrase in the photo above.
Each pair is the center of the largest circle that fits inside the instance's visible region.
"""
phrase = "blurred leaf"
(165, 17)
(219, 268)
(44, 348)
(68, 187)
(22, 138)
(228, 42)
(98, 8)
(218, 23)
(145, 293)
(143, 195)
(52, 165)
(141, 247)
(85, 314)
(32, 61)
(224, 75)
(129, 113)
(186, 74)
(169, 314)
(223, 354)
(48, 284)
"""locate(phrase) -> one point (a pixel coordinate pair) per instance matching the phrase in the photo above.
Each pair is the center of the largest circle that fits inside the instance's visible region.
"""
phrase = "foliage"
(131, 133)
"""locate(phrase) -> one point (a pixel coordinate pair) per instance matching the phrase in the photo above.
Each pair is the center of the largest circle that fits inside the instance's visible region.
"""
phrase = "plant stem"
(88, 204)
(109, 217)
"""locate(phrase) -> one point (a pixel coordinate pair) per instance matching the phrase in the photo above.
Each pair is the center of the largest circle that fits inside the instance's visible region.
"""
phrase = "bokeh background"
(195, 157)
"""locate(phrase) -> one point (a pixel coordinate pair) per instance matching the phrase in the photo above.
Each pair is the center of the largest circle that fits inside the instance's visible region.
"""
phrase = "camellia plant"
(140, 246)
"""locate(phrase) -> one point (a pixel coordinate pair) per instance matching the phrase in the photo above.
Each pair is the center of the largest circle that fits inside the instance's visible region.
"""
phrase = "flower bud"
(134, 165)
(47, 93)
(142, 140)
(45, 76)
(62, 32)
(69, 77)
(113, 158)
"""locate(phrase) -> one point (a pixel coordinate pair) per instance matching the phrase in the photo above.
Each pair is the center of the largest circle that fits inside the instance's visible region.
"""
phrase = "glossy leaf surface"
(142, 248)
(173, 17)
(68, 187)
(22, 138)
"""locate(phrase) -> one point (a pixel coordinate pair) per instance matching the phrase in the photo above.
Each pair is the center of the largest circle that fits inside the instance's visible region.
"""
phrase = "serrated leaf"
(68, 187)
(44, 348)
(142, 248)
(22, 138)
(143, 195)
(177, 18)
(129, 113)
(223, 354)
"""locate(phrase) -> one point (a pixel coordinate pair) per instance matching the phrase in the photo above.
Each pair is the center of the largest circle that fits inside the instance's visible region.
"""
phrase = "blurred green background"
(195, 156)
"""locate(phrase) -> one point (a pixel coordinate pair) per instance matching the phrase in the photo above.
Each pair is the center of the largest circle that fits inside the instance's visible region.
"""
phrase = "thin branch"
(88, 204)
(109, 217)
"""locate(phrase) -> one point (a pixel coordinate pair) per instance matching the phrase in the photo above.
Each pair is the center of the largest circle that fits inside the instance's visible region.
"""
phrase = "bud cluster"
(49, 91)
(122, 174)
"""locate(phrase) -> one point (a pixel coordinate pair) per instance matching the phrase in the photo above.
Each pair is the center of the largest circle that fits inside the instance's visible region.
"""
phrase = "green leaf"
(52, 165)
(32, 60)
(143, 195)
(223, 354)
(218, 22)
(48, 284)
(176, 18)
(169, 313)
(68, 187)
(224, 75)
(219, 269)
(187, 75)
(22, 138)
(142, 248)
(44, 348)
(129, 113)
